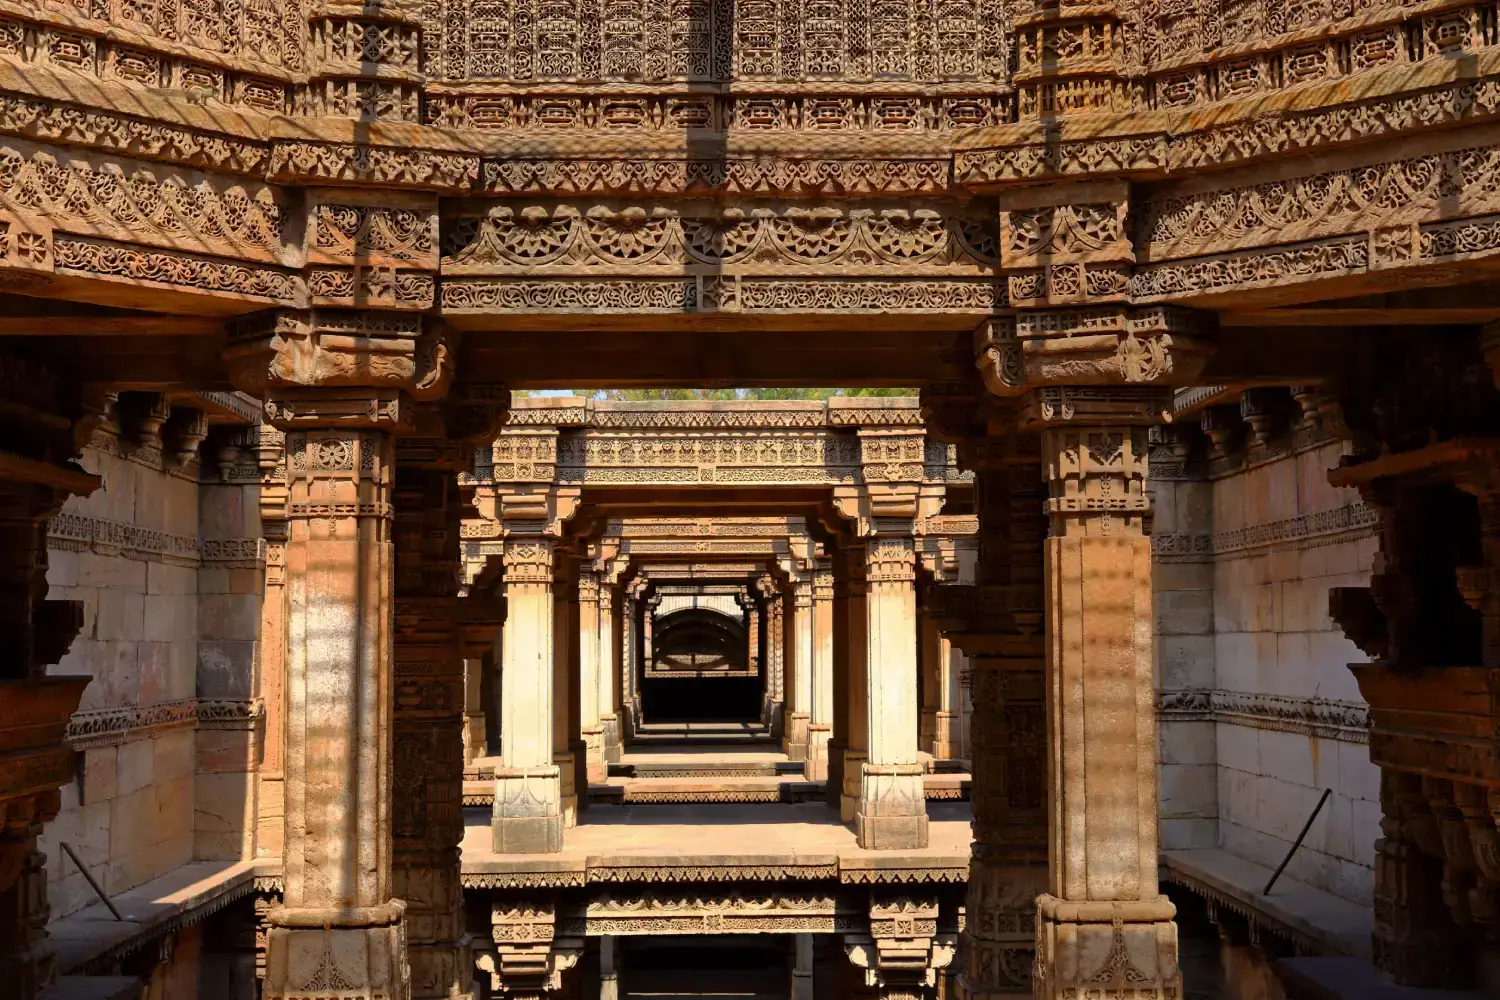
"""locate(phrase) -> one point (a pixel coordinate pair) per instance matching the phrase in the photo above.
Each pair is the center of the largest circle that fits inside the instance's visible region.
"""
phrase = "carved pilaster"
(271, 462)
(892, 811)
(528, 790)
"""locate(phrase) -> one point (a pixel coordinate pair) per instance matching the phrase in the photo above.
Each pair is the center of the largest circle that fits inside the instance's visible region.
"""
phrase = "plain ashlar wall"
(130, 815)
(157, 632)
(1253, 620)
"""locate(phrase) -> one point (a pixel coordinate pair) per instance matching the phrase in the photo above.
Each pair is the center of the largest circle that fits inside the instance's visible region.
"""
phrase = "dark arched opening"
(698, 670)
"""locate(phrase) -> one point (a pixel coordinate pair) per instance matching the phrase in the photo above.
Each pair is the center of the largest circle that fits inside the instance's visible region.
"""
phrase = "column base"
(833, 782)
(816, 753)
(853, 778)
(613, 750)
(527, 816)
(596, 768)
(794, 742)
(1114, 949)
(310, 957)
(771, 714)
(443, 971)
(892, 812)
(945, 742)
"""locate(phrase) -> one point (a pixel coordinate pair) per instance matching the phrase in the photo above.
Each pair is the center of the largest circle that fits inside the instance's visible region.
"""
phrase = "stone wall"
(1260, 712)
(169, 571)
(129, 553)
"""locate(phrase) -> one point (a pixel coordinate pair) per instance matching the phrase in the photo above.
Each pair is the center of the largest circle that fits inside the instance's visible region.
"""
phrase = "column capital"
(348, 368)
(891, 559)
(529, 560)
(1097, 346)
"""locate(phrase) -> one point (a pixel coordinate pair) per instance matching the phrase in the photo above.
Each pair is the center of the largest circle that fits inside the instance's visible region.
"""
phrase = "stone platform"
(727, 843)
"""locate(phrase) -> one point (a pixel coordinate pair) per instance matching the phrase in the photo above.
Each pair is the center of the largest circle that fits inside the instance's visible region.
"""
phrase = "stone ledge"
(1343, 978)
(92, 939)
(1317, 922)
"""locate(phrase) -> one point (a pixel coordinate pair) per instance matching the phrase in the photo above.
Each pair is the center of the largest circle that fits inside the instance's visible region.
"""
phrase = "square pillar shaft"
(527, 812)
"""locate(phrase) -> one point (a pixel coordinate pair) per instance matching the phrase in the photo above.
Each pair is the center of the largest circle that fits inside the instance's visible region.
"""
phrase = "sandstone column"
(528, 792)
(1103, 923)
(609, 668)
(427, 808)
(340, 384)
(892, 811)
(799, 707)
(856, 700)
(1001, 630)
(568, 749)
(338, 920)
(775, 639)
(802, 967)
(630, 672)
(820, 723)
(474, 717)
(929, 672)
(947, 741)
(590, 666)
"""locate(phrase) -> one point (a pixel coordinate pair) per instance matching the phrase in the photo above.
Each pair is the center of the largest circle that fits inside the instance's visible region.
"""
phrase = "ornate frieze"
(1319, 527)
(1347, 721)
(82, 533)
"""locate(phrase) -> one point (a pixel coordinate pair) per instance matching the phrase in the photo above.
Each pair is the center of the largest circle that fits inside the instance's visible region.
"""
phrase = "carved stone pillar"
(338, 926)
(590, 666)
(775, 632)
(630, 672)
(527, 814)
(475, 740)
(799, 705)
(569, 752)
(857, 738)
(820, 681)
(609, 669)
(427, 824)
(1005, 643)
(892, 811)
(1103, 923)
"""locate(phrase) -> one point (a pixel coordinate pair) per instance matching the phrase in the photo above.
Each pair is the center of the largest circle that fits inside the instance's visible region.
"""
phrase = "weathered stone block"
(225, 668)
(99, 766)
(527, 812)
(228, 616)
(111, 573)
(121, 615)
(892, 810)
(136, 766)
